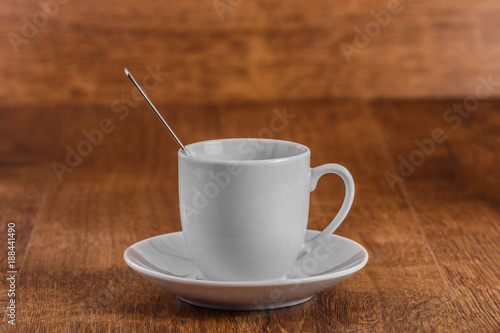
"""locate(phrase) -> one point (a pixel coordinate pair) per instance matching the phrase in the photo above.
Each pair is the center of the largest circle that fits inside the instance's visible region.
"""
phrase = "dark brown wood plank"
(434, 254)
(24, 183)
(261, 51)
(23, 194)
(75, 277)
(455, 195)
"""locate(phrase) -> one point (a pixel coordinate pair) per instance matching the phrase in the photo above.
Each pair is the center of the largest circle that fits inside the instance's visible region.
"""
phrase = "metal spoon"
(156, 111)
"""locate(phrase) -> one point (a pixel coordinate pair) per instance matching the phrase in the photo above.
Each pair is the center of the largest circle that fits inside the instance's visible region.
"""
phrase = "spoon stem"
(156, 111)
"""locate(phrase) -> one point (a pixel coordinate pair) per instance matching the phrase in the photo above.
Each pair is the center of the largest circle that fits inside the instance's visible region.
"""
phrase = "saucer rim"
(273, 282)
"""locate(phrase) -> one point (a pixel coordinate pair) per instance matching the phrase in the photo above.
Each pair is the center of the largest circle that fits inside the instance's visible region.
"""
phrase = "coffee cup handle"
(316, 174)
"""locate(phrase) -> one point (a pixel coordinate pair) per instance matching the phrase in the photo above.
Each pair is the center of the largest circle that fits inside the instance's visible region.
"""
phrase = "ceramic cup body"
(244, 206)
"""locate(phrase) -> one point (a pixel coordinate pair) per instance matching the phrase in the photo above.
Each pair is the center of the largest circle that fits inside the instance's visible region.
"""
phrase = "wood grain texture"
(432, 242)
(459, 213)
(261, 51)
(24, 179)
(431, 236)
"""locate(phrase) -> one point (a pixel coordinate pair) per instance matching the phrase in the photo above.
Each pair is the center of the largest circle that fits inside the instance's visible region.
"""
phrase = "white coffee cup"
(245, 204)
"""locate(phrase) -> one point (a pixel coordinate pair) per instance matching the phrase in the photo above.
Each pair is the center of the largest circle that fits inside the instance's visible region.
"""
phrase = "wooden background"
(263, 50)
(432, 240)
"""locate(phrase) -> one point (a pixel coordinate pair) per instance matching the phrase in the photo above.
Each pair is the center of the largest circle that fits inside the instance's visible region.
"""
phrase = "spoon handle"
(156, 111)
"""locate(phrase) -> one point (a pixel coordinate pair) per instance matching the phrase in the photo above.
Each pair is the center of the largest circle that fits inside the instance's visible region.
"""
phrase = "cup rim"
(182, 154)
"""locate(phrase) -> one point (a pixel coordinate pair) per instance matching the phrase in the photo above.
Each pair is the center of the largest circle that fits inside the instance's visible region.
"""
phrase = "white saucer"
(165, 261)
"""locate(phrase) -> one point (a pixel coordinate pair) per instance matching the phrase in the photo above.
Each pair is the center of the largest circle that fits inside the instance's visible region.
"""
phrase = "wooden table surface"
(432, 233)
(400, 111)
